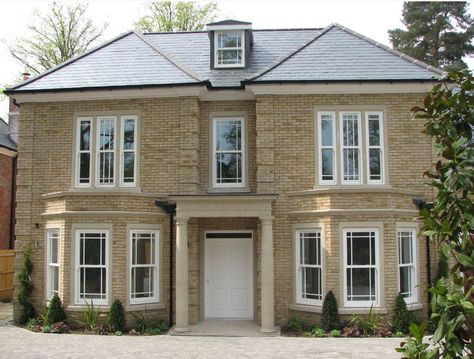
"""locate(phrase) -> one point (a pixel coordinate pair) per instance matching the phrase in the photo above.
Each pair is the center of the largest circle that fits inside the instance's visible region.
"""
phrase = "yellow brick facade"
(174, 157)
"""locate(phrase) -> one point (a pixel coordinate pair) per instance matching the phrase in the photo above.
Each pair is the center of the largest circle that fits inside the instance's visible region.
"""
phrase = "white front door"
(229, 278)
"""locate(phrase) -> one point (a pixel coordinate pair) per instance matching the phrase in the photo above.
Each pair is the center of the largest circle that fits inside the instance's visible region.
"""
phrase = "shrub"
(296, 324)
(336, 333)
(116, 316)
(90, 316)
(58, 328)
(32, 324)
(399, 334)
(26, 287)
(401, 315)
(443, 267)
(370, 324)
(415, 347)
(330, 316)
(318, 332)
(55, 312)
(47, 328)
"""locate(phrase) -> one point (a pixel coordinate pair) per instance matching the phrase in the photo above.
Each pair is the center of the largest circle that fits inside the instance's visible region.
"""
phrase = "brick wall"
(6, 167)
(174, 158)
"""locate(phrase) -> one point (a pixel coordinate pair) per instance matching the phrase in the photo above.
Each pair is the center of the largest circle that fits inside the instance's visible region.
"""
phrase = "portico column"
(181, 274)
(266, 274)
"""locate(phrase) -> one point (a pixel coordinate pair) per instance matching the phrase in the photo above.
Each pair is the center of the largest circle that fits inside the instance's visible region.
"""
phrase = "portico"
(225, 206)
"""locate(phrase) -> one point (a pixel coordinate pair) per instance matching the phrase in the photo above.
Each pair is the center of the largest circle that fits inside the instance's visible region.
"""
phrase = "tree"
(54, 37)
(449, 114)
(438, 33)
(176, 16)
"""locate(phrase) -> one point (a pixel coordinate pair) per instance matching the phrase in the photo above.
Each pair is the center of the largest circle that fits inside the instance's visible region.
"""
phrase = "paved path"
(20, 343)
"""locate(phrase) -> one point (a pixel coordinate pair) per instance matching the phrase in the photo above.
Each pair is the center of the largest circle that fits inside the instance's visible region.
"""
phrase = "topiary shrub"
(401, 315)
(116, 316)
(26, 288)
(55, 312)
(330, 317)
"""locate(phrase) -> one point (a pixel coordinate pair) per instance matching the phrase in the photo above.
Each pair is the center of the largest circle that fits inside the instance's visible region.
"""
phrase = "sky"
(370, 18)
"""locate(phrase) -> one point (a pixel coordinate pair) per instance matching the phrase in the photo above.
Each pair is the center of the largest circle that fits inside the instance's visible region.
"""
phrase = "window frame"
(362, 304)
(79, 151)
(50, 263)
(358, 147)
(297, 265)
(123, 151)
(413, 298)
(243, 152)
(380, 147)
(157, 249)
(321, 147)
(78, 266)
(217, 49)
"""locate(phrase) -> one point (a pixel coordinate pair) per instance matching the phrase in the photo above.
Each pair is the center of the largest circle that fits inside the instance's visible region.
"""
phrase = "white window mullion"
(326, 128)
(128, 151)
(106, 145)
(52, 255)
(406, 238)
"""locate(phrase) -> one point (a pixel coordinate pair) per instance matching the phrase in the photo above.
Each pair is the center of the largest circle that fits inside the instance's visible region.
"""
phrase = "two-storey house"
(228, 173)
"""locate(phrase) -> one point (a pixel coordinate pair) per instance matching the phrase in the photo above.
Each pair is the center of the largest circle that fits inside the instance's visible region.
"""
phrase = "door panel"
(229, 278)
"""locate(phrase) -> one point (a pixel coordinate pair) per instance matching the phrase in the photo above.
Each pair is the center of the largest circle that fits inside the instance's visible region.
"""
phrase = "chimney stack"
(26, 76)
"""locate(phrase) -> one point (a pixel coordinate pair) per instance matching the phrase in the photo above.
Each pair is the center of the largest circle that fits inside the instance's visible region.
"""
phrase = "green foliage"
(47, 328)
(449, 114)
(296, 324)
(176, 16)
(443, 267)
(118, 333)
(401, 315)
(32, 323)
(116, 316)
(150, 326)
(330, 315)
(55, 312)
(90, 316)
(60, 34)
(399, 334)
(26, 288)
(318, 332)
(369, 324)
(414, 347)
(335, 333)
(438, 33)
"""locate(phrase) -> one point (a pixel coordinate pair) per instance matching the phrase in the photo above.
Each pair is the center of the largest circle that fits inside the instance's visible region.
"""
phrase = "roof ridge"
(400, 54)
(64, 64)
(290, 54)
(172, 60)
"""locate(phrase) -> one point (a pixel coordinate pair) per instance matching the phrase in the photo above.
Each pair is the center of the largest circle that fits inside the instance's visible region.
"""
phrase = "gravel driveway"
(20, 343)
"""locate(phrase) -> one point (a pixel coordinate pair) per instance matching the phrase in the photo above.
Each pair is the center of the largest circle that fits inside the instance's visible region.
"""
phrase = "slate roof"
(5, 140)
(183, 58)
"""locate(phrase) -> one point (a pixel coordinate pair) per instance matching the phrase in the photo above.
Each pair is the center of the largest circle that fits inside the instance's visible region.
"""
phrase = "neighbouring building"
(8, 154)
(286, 158)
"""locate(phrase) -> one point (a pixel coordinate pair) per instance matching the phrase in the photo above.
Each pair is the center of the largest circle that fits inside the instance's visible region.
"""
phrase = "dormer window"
(229, 47)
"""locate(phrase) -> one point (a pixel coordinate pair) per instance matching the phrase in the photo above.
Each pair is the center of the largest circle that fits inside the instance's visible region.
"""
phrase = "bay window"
(361, 267)
(309, 272)
(106, 152)
(52, 262)
(92, 262)
(407, 263)
(144, 266)
(358, 151)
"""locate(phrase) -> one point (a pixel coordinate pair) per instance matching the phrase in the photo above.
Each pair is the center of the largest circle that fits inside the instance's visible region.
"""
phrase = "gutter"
(12, 91)
(170, 208)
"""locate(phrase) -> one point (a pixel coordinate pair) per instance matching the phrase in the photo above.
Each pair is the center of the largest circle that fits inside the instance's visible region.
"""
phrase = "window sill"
(414, 306)
(228, 190)
(306, 308)
(356, 310)
(138, 307)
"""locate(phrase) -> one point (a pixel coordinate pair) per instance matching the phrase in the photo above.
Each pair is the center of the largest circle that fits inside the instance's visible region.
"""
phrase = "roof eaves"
(169, 58)
(114, 87)
(289, 55)
(392, 51)
(64, 64)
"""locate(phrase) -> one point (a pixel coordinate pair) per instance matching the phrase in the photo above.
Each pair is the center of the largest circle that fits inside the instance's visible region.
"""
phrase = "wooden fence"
(6, 273)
